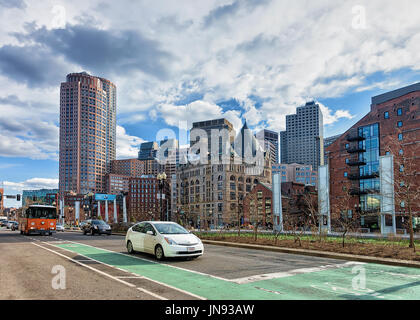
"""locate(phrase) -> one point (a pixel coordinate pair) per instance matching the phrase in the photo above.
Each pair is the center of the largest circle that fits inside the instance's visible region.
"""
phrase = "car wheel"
(130, 247)
(159, 254)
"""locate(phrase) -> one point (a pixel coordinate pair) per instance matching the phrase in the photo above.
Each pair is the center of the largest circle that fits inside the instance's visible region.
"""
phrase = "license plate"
(191, 249)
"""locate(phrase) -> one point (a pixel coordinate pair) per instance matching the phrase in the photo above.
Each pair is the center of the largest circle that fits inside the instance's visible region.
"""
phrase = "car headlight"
(170, 241)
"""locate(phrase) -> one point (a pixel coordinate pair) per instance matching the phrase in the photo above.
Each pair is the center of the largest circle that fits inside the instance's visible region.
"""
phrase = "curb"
(323, 254)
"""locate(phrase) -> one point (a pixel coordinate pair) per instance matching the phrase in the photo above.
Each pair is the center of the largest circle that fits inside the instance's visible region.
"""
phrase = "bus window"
(41, 213)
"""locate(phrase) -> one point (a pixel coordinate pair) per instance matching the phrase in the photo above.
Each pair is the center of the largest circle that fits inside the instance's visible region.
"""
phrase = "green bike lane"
(352, 282)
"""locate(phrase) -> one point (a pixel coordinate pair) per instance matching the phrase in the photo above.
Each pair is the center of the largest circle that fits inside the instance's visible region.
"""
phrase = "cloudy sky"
(194, 60)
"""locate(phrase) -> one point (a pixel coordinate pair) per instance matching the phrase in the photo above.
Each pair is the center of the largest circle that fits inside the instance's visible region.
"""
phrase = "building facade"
(41, 196)
(212, 194)
(271, 144)
(87, 132)
(144, 201)
(391, 127)
(148, 150)
(327, 142)
(127, 167)
(303, 140)
(117, 183)
(296, 173)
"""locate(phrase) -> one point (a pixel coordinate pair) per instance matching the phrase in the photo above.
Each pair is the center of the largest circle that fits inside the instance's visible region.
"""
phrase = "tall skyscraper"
(87, 132)
(148, 150)
(208, 126)
(271, 144)
(303, 140)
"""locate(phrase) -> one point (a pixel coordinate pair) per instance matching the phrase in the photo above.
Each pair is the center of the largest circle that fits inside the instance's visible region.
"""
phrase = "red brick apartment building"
(128, 167)
(143, 201)
(258, 204)
(391, 127)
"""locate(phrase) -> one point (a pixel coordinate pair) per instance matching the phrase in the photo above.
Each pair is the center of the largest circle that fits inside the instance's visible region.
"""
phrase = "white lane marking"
(290, 273)
(131, 277)
(102, 273)
(114, 267)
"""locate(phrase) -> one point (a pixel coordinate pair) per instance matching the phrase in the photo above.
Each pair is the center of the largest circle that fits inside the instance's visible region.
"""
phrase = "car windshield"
(98, 222)
(170, 228)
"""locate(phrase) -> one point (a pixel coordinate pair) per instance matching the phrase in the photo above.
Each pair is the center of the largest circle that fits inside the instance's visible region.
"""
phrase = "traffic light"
(18, 197)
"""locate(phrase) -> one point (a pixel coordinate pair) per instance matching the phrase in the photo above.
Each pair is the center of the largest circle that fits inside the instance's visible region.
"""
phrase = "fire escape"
(356, 148)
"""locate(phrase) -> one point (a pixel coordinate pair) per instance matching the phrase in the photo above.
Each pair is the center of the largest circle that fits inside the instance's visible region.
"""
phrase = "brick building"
(391, 127)
(258, 206)
(117, 183)
(295, 199)
(295, 172)
(87, 132)
(143, 200)
(127, 167)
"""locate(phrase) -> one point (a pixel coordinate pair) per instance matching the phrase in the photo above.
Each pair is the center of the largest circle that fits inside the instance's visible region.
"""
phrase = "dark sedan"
(93, 227)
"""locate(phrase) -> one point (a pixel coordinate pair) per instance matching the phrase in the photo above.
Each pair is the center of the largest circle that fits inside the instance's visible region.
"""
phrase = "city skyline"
(261, 87)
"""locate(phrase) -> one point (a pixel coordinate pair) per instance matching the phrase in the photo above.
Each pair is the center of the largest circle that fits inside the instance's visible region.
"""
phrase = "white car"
(59, 227)
(163, 239)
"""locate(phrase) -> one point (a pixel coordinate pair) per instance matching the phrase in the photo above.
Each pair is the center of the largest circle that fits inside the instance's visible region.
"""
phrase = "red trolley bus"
(39, 219)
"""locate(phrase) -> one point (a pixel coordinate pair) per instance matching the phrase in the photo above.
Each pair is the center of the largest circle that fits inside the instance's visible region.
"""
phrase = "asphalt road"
(98, 267)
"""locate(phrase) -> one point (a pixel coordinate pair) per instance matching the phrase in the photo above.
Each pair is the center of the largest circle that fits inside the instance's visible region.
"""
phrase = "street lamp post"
(161, 177)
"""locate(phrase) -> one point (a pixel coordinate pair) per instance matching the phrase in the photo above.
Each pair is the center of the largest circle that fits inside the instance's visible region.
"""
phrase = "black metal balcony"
(356, 149)
(357, 192)
(358, 176)
(357, 162)
(355, 136)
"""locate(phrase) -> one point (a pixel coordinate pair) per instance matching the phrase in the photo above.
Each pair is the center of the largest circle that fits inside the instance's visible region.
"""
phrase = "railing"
(355, 136)
(355, 149)
(357, 176)
(357, 162)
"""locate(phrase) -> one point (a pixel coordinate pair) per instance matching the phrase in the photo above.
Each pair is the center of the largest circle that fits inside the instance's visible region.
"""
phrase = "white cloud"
(127, 146)
(33, 183)
(330, 116)
(285, 52)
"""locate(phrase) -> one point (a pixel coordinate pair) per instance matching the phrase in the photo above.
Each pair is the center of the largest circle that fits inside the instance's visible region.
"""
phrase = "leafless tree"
(343, 216)
(254, 213)
(406, 177)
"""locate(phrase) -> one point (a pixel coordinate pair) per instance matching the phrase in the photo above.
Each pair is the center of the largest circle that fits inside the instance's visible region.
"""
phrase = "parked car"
(96, 227)
(163, 239)
(81, 224)
(4, 223)
(14, 225)
(59, 227)
(10, 223)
